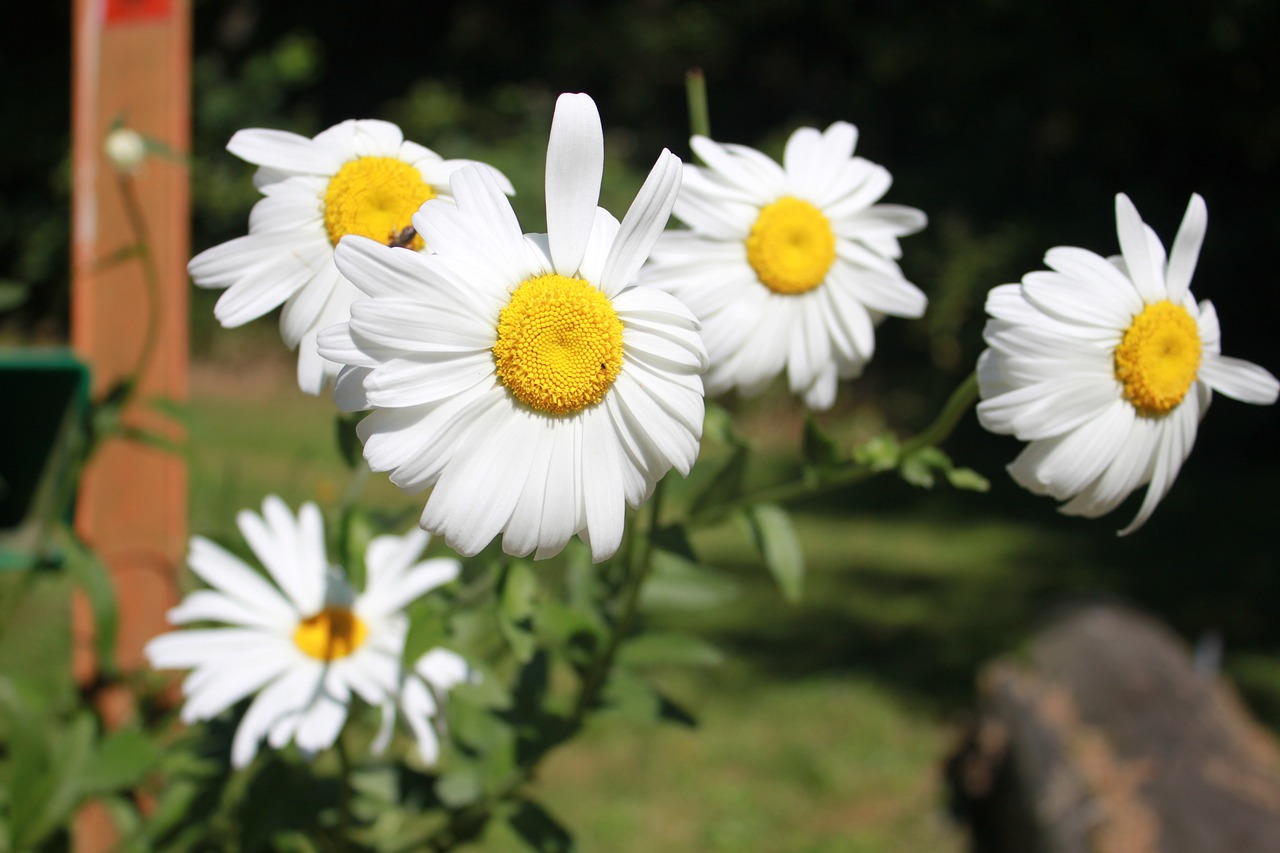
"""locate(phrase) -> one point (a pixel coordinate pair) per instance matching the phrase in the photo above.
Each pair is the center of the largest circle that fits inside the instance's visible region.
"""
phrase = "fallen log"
(1104, 738)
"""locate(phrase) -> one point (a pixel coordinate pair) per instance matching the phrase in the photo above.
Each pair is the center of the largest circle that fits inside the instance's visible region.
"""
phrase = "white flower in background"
(126, 149)
(424, 687)
(357, 177)
(1107, 366)
(521, 377)
(303, 644)
(787, 267)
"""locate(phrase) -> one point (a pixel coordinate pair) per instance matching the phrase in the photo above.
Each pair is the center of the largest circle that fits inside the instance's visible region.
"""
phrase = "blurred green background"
(1011, 124)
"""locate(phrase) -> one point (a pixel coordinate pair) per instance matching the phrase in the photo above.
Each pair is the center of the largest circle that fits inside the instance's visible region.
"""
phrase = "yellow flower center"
(375, 197)
(333, 633)
(559, 344)
(791, 246)
(1158, 358)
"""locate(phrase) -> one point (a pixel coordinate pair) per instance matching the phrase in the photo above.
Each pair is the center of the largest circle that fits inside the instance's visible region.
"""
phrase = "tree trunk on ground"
(1104, 738)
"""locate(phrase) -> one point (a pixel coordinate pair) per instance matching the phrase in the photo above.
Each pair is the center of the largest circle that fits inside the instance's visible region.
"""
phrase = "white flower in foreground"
(435, 674)
(357, 177)
(304, 644)
(787, 267)
(521, 377)
(1107, 366)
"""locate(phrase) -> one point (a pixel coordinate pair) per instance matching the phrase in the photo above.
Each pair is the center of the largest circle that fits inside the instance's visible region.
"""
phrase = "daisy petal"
(1186, 249)
(284, 151)
(645, 220)
(1239, 379)
(575, 164)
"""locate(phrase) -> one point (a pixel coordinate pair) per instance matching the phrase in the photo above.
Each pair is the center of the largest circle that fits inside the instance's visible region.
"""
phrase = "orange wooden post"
(131, 64)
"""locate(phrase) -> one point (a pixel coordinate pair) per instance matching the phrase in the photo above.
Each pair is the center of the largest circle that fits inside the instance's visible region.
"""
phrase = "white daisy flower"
(357, 177)
(787, 266)
(521, 377)
(1107, 366)
(424, 687)
(305, 643)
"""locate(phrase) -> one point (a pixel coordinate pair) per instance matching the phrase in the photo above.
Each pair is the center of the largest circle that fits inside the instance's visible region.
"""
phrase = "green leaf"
(57, 793)
(725, 485)
(674, 539)
(630, 697)
(486, 691)
(519, 588)
(670, 712)
(151, 438)
(669, 650)
(176, 410)
(121, 761)
(92, 576)
(460, 787)
(818, 449)
(577, 630)
(675, 583)
(539, 830)
(775, 537)
(968, 479)
(28, 758)
(426, 632)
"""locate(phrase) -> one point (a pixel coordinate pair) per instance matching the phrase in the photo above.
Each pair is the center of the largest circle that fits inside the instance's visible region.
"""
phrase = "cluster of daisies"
(537, 384)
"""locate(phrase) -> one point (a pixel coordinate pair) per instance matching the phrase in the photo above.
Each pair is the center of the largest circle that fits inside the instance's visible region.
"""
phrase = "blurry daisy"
(1107, 366)
(521, 377)
(303, 644)
(424, 687)
(357, 177)
(787, 266)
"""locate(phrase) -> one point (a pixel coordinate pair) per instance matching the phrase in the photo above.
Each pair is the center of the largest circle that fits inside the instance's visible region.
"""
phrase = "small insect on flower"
(357, 177)
(524, 378)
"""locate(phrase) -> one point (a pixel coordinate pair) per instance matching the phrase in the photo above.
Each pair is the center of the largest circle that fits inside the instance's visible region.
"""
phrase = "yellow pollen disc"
(375, 197)
(333, 633)
(791, 246)
(1158, 358)
(559, 344)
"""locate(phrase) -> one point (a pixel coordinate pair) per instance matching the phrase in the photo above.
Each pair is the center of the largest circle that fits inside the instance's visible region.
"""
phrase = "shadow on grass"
(918, 589)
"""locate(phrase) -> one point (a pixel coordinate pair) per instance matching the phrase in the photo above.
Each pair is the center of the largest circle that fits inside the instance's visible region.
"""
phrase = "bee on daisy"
(524, 379)
(359, 177)
(787, 266)
(303, 641)
(1106, 366)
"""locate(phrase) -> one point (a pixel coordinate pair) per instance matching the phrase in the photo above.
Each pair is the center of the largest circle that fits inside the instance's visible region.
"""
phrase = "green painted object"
(44, 403)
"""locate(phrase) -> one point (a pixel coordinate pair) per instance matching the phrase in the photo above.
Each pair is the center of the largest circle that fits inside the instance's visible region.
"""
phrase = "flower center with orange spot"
(375, 197)
(559, 344)
(333, 633)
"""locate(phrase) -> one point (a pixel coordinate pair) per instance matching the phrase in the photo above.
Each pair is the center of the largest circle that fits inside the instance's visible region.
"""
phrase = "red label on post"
(128, 11)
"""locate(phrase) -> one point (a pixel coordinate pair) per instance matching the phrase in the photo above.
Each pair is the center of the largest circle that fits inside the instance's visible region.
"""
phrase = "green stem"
(150, 276)
(945, 423)
(695, 88)
(851, 472)
(636, 562)
(344, 794)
